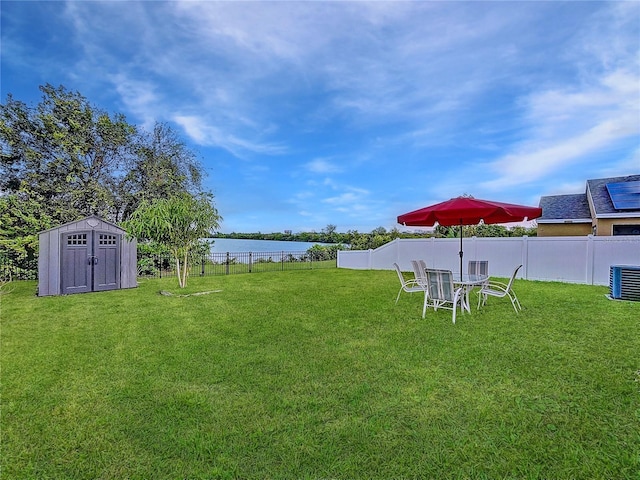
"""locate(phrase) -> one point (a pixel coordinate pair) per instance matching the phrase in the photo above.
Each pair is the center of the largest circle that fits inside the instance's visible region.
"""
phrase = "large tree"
(64, 153)
(79, 160)
(163, 166)
(65, 158)
(178, 222)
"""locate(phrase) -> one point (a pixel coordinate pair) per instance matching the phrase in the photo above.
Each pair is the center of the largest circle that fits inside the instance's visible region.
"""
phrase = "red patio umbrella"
(468, 211)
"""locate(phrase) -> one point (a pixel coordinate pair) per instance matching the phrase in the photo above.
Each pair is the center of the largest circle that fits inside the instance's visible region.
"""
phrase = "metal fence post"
(227, 264)
(250, 261)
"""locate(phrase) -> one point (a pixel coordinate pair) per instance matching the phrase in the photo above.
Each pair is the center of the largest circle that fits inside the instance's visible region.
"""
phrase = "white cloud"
(569, 126)
(138, 96)
(344, 199)
(321, 165)
(201, 132)
(329, 182)
(353, 202)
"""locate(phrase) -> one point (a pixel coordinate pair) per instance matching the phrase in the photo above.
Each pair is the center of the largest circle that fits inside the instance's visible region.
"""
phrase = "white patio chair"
(500, 290)
(423, 265)
(407, 285)
(479, 267)
(442, 292)
(419, 269)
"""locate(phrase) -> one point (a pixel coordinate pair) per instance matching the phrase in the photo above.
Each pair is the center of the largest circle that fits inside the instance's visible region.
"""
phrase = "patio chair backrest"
(440, 284)
(478, 267)
(419, 272)
(513, 277)
(399, 272)
(423, 265)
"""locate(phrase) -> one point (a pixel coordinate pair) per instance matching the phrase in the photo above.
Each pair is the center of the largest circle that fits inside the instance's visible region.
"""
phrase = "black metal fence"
(229, 263)
(211, 264)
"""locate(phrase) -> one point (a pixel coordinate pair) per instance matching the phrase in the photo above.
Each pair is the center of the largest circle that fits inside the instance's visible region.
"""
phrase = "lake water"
(222, 245)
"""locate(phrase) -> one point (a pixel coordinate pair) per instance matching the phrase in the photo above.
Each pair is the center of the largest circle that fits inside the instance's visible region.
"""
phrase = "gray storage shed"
(87, 255)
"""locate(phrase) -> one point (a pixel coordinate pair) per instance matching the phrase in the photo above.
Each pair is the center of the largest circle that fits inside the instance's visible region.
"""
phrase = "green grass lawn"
(316, 374)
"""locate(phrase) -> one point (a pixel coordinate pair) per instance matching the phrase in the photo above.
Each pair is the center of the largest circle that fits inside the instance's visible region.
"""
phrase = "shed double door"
(90, 261)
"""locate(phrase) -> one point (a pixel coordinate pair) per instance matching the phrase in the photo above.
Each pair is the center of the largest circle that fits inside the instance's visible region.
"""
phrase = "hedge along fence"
(10, 270)
(228, 263)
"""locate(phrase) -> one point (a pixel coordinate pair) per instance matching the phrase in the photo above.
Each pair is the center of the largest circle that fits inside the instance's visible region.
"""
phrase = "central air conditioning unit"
(624, 282)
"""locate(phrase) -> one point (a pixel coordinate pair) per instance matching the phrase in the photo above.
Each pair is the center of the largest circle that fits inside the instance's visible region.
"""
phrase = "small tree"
(178, 223)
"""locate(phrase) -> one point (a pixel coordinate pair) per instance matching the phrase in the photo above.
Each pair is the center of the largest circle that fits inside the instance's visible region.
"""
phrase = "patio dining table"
(468, 282)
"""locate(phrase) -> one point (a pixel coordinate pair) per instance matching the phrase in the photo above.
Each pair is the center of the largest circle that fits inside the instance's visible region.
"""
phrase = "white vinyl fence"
(567, 259)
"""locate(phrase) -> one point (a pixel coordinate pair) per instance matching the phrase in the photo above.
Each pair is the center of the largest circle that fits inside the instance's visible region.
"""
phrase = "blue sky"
(306, 114)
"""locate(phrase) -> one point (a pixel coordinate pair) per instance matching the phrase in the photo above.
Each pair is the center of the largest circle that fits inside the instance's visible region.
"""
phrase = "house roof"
(580, 207)
(573, 207)
(601, 199)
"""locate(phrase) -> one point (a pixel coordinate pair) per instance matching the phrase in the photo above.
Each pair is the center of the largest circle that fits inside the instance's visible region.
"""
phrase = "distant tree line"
(64, 159)
(355, 240)
(486, 231)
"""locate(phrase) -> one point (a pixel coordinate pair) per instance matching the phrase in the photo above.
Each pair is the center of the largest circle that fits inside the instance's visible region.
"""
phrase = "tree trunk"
(185, 270)
(178, 271)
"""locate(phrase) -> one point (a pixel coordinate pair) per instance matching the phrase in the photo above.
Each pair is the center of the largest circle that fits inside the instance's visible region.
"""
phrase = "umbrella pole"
(461, 252)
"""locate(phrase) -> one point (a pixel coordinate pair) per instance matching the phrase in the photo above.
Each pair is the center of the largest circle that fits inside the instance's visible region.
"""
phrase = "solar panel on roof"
(625, 195)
